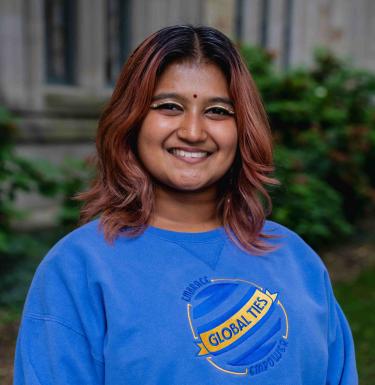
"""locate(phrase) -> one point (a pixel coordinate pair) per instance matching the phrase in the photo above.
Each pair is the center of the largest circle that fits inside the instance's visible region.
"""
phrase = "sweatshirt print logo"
(239, 327)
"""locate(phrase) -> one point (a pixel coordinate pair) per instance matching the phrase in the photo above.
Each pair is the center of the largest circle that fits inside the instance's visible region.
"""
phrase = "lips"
(189, 150)
(189, 156)
(185, 154)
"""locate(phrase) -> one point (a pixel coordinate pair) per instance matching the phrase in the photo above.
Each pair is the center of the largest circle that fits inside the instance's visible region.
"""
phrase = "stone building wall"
(59, 120)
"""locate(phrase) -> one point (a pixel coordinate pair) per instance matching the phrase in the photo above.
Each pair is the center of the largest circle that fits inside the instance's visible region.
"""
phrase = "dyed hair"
(123, 192)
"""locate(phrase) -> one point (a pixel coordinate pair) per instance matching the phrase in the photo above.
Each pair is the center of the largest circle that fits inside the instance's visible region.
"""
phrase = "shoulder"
(76, 250)
(289, 245)
(64, 286)
(89, 236)
(277, 229)
(88, 233)
(283, 235)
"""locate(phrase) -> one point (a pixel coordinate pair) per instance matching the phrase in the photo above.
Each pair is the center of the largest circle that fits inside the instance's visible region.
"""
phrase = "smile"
(188, 154)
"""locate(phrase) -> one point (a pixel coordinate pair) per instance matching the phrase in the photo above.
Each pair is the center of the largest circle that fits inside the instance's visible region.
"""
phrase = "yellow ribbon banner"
(238, 325)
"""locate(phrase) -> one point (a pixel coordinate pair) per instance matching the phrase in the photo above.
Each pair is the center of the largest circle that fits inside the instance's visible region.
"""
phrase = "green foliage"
(13, 178)
(19, 251)
(75, 176)
(324, 128)
(358, 300)
(305, 202)
(323, 121)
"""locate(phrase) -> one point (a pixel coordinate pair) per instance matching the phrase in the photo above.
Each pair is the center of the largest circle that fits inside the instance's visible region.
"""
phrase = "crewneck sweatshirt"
(182, 308)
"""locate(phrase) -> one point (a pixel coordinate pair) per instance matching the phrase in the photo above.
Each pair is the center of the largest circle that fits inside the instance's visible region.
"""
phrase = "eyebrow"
(171, 95)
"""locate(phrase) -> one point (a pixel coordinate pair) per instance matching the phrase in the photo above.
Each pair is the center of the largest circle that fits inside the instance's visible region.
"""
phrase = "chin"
(190, 187)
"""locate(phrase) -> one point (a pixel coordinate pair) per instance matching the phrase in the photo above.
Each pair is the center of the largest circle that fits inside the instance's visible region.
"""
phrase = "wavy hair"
(123, 193)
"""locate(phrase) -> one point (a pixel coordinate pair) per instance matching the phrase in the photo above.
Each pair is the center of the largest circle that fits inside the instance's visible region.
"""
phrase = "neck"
(185, 210)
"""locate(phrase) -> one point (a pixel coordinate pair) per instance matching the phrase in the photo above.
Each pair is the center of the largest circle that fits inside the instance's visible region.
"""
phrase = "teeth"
(187, 154)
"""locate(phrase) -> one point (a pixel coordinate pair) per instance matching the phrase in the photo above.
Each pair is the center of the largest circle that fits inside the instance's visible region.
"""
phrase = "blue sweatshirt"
(182, 308)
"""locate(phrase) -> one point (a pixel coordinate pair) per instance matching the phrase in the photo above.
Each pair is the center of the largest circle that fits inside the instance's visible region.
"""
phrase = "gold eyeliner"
(231, 112)
(156, 105)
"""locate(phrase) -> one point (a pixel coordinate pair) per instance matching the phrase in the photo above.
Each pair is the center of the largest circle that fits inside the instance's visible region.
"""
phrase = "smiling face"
(188, 139)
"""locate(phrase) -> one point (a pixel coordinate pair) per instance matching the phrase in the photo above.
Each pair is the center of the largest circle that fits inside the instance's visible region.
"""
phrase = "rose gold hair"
(122, 193)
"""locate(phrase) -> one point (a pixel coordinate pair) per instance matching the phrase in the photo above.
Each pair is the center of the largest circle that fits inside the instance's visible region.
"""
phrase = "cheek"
(147, 135)
(154, 132)
(145, 142)
(229, 139)
(150, 141)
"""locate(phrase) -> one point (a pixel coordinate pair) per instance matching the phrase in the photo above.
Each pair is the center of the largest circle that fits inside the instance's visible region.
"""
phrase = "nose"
(192, 128)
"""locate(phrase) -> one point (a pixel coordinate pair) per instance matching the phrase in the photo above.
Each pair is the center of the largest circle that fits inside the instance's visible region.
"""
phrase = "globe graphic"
(237, 324)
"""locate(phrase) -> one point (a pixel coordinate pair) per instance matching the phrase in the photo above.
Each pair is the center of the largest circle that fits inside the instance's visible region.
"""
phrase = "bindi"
(195, 95)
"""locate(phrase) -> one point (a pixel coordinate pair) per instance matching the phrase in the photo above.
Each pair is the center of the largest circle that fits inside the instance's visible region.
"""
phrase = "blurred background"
(314, 63)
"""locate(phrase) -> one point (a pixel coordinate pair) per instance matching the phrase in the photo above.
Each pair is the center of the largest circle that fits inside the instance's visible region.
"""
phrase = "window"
(263, 27)
(239, 20)
(287, 33)
(117, 37)
(60, 25)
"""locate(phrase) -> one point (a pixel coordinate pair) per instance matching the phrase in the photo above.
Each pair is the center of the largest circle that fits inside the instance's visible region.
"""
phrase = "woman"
(181, 280)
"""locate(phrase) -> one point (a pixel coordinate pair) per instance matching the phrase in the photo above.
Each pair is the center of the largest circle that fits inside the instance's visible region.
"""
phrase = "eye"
(170, 108)
(219, 111)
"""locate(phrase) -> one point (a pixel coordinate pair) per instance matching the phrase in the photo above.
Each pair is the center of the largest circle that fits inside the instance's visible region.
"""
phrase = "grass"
(8, 332)
(357, 299)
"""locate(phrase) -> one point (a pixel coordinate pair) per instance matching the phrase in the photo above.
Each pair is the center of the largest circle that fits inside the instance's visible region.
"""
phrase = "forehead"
(200, 79)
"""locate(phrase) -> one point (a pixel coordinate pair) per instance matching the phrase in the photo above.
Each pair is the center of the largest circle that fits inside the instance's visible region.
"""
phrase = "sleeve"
(341, 364)
(61, 336)
(50, 352)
